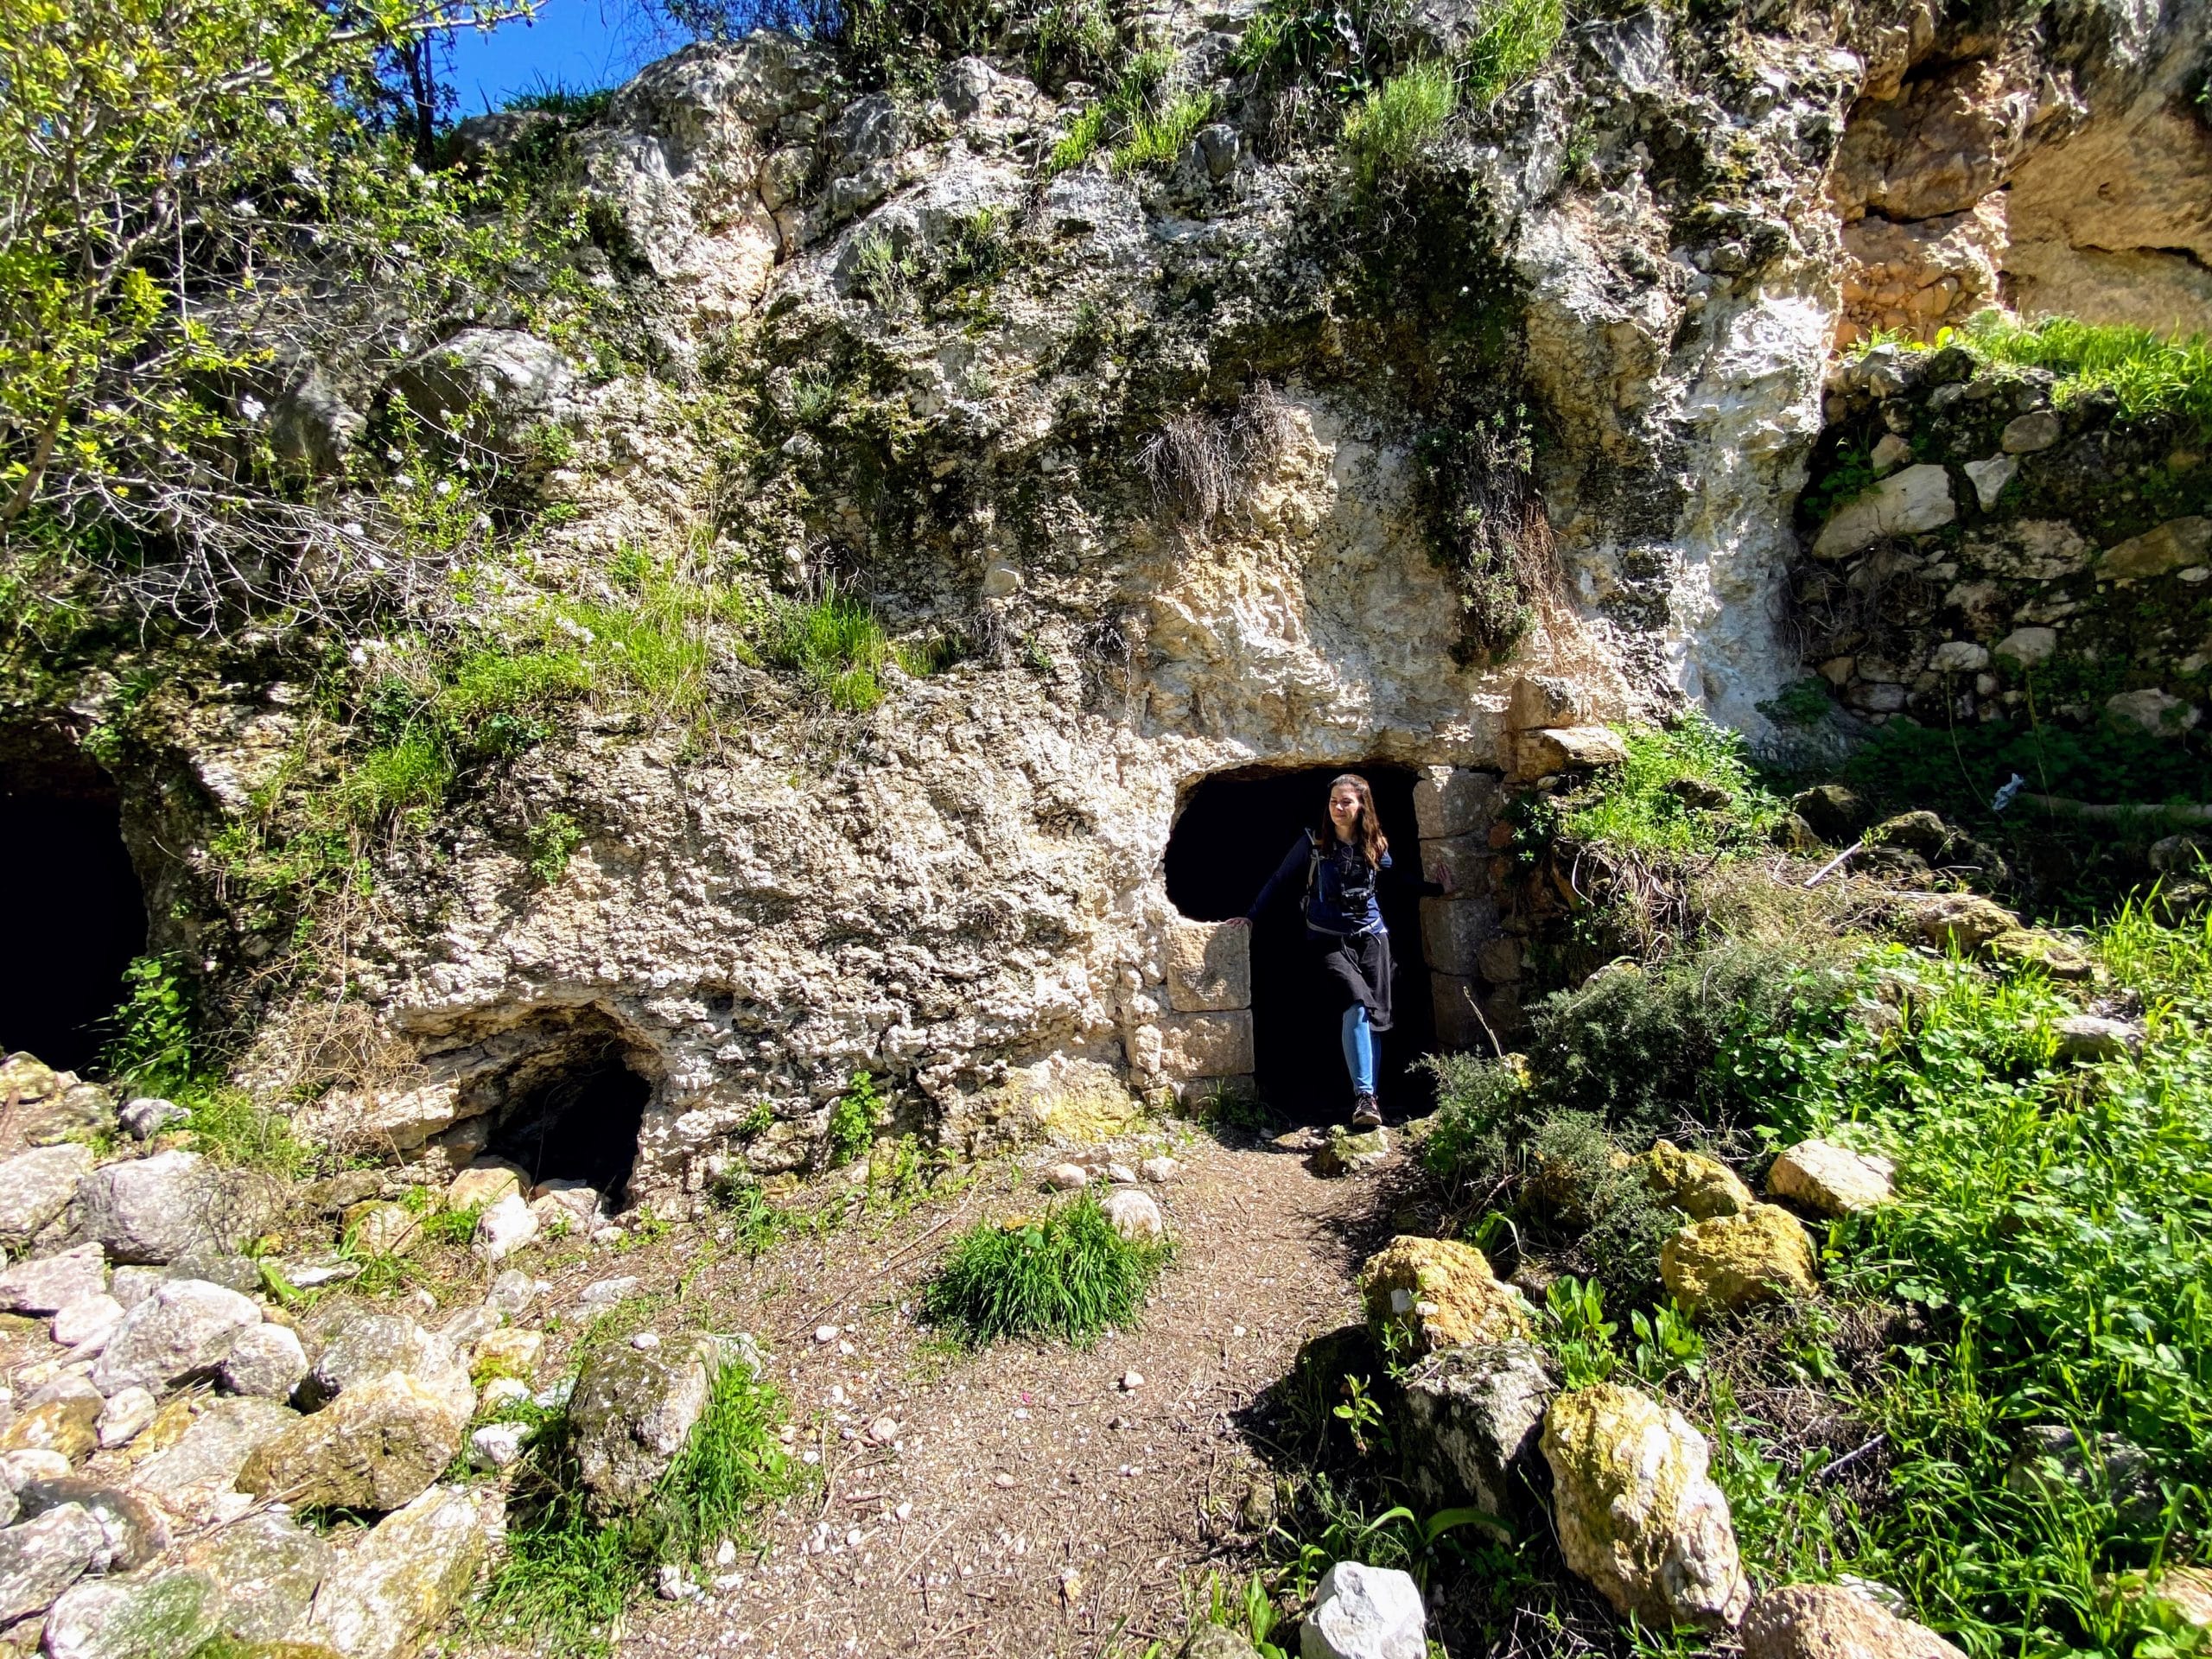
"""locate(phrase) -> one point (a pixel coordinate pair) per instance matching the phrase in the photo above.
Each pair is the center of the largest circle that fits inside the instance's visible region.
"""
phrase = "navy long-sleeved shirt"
(1344, 886)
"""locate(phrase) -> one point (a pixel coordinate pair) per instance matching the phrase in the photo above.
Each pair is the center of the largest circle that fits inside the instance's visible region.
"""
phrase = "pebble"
(1121, 1175)
(847, 1349)
(1131, 1381)
(605, 1292)
(1068, 1178)
(1001, 1479)
(676, 1584)
(883, 1430)
(646, 1340)
(495, 1446)
(853, 1537)
(825, 1333)
(904, 1511)
(1162, 1170)
(726, 1552)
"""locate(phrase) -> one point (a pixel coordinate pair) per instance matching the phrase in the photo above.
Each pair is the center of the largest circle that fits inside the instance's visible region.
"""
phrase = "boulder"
(2030, 947)
(1826, 1621)
(147, 1116)
(378, 1228)
(504, 1228)
(40, 1557)
(512, 1352)
(1830, 1179)
(360, 1346)
(379, 1445)
(1637, 1514)
(1732, 1261)
(266, 1360)
(1700, 1187)
(134, 1531)
(68, 1423)
(408, 1575)
(177, 1335)
(1364, 1612)
(1566, 748)
(564, 1207)
(483, 1185)
(195, 1477)
(25, 1078)
(499, 382)
(1136, 1214)
(48, 1284)
(1346, 1152)
(1962, 922)
(36, 1187)
(269, 1567)
(87, 1323)
(1439, 1293)
(148, 1616)
(2171, 546)
(154, 1210)
(78, 1111)
(631, 1413)
(2094, 1037)
(1471, 1416)
(127, 1412)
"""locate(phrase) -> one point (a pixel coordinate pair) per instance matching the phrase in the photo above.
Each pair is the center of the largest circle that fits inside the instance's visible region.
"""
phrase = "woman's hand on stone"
(1442, 876)
(1238, 921)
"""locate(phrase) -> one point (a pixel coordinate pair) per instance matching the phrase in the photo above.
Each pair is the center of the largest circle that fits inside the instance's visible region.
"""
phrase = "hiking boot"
(1366, 1112)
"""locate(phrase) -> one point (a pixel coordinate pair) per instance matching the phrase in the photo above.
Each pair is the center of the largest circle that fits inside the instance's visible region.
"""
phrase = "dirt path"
(1028, 1502)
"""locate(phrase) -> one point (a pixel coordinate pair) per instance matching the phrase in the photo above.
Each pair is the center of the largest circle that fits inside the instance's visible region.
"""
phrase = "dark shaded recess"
(76, 912)
(1232, 832)
(581, 1125)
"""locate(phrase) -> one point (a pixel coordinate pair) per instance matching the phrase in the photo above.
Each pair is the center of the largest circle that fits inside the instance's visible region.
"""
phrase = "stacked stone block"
(1472, 964)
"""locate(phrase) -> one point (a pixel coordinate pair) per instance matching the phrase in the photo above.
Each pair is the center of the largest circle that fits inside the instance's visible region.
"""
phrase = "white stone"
(1829, 1179)
(2027, 647)
(495, 1446)
(267, 1360)
(504, 1228)
(1906, 502)
(42, 1557)
(1161, 1170)
(1135, 1214)
(1991, 476)
(182, 1332)
(1959, 657)
(48, 1284)
(1365, 1612)
(36, 1187)
(1067, 1178)
(154, 1209)
(87, 1323)
(127, 1411)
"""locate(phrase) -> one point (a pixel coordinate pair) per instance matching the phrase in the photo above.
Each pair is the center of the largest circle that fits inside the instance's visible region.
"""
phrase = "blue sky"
(581, 43)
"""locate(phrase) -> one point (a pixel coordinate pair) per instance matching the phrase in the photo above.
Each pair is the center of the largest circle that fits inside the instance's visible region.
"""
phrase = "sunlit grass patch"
(1065, 1274)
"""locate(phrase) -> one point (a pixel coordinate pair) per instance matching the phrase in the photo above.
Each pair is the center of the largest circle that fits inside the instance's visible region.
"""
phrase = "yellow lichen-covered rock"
(1440, 1292)
(1731, 1262)
(1699, 1187)
(1827, 1621)
(1962, 921)
(1638, 1515)
(2028, 947)
(1831, 1180)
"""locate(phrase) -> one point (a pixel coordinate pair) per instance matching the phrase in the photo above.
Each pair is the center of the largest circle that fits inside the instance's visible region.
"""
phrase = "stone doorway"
(581, 1124)
(1232, 832)
(76, 914)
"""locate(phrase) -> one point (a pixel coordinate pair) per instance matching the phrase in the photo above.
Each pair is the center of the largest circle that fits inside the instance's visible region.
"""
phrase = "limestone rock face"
(1830, 1179)
(1732, 1261)
(379, 1445)
(1699, 1187)
(47, 1284)
(1364, 1612)
(1637, 1514)
(183, 1331)
(1826, 1621)
(36, 1187)
(1439, 1293)
(1472, 1415)
(154, 1210)
(402, 1581)
(632, 1412)
(149, 1615)
(269, 1567)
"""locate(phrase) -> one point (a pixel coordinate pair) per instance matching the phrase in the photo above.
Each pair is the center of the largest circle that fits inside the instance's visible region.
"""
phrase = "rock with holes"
(1699, 1187)
(154, 1210)
(1830, 1179)
(195, 1477)
(134, 1531)
(1826, 1621)
(269, 1567)
(42, 1557)
(181, 1333)
(266, 1360)
(1437, 1293)
(404, 1579)
(48, 1284)
(148, 1616)
(36, 1187)
(1733, 1262)
(1136, 1214)
(630, 1415)
(1470, 1419)
(379, 1445)
(1364, 1612)
(1637, 1513)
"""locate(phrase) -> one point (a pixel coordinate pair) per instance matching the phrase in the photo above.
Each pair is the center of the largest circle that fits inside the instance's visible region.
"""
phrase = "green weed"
(553, 839)
(2149, 374)
(152, 1047)
(1158, 139)
(1687, 790)
(1517, 38)
(229, 1126)
(1079, 143)
(853, 1120)
(1396, 121)
(1065, 1274)
(836, 642)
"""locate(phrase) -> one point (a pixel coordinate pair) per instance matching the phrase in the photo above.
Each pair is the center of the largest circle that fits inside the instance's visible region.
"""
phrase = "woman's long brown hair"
(1369, 832)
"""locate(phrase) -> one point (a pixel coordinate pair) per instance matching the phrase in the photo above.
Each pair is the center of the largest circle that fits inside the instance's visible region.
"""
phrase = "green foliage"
(1957, 772)
(566, 1578)
(229, 1126)
(1158, 137)
(836, 642)
(1576, 1331)
(1065, 1274)
(853, 1120)
(1391, 125)
(1517, 38)
(553, 839)
(554, 96)
(1687, 790)
(1079, 143)
(1847, 477)
(2148, 373)
(152, 1047)
(1249, 1611)
(935, 652)
(1666, 1343)
(1802, 702)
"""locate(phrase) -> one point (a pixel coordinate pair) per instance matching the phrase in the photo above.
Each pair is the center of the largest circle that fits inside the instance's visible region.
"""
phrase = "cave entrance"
(77, 914)
(1232, 832)
(581, 1124)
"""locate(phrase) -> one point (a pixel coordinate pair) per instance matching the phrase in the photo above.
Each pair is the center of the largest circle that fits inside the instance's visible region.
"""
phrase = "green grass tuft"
(1397, 119)
(1517, 39)
(836, 643)
(2149, 374)
(1654, 805)
(1065, 1274)
(1079, 143)
(1156, 139)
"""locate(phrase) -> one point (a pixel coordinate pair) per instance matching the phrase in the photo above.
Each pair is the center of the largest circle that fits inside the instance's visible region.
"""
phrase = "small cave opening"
(77, 913)
(580, 1124)
(1234, 830)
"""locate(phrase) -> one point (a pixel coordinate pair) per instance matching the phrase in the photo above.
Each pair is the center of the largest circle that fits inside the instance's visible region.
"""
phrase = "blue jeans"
(1359, 1049)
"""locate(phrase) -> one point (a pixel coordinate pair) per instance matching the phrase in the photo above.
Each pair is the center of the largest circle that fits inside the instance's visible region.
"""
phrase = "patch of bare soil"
(1028, 1499)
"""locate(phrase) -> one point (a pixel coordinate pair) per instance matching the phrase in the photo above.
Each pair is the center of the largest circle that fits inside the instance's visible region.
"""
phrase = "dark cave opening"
(77, 914)
(580, 1125)
(1232, 832)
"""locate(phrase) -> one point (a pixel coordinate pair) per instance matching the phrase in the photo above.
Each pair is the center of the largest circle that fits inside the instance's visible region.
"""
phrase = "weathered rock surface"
(195, 1477)
(1439, 1293)
(155, 1615)
(360, 1346)
(1638, 1515)
(42, 1557)
(631, 1413)
(2095, 1037)
(135, 1532)
(265, 1360)
(182, 1333)
(36, 1187)
(1364, 1612)
(1136, 1214)
(1826, 1621)
(1472, 1416)
(507, 1224)
(269, 1567)
(154, 1210)
(47, 1284)
(379, 1445)
(1699, 1187)
(1831, 1179)
(67, 1423)
(403, 1579)
(1732, 1261)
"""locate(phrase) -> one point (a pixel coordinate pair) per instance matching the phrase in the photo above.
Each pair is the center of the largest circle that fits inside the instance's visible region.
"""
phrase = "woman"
(1339, 866)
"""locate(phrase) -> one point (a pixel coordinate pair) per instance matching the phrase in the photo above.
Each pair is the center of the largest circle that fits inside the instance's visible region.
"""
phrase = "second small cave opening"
(1232, 832)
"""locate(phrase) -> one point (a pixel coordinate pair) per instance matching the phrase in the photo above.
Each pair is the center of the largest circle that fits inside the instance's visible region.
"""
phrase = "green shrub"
(230, 1127)
(1156, 140)
(2149, 374)
(1065, 1274)
(1687, 790)
(1397, 119)
(1517, 38)
(152, 1047)
(836, 642)
(853, 1121)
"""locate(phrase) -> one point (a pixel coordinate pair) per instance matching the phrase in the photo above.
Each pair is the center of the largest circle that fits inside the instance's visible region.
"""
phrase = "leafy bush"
(853, 1121)
(1066, 1274)
(1397, 119)
(152, 1047)
(1687, 790)
(2149, 374)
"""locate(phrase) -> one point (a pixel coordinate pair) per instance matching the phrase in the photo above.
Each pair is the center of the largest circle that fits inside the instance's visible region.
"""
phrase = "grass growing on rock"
(1687, 790)
(2148, 372)
(1065, 1274)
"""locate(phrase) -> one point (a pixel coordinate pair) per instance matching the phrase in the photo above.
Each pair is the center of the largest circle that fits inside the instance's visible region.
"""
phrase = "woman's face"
(1344, 808)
